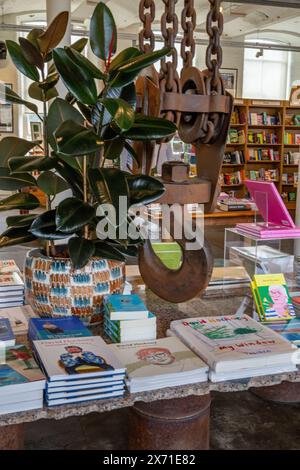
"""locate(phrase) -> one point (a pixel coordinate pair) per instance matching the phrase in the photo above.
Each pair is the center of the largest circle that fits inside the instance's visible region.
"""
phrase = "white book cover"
(8, 266)
(86, 392)
(11, 281)
(161, 357)
(101, 396)
(75, 388)
(82, 382)
(229, 343)
(87, 356)
(18, 317)
(21, 406)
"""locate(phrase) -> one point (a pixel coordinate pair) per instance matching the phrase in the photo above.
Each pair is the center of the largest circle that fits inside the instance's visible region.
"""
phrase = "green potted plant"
(94, 122)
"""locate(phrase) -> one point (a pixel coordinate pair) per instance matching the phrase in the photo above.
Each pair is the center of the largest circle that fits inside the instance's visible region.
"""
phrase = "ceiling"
(241, 20)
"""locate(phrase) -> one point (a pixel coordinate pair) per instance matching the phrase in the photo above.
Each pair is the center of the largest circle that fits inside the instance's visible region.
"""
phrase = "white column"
(53, 8)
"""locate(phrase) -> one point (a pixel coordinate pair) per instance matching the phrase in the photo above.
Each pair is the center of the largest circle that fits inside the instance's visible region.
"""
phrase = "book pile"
(18, 318)
(7, 337)
(21, 381)
(235, 205)
(126, 318)
(11, 284)
(160, 363)
(235, 348)
(53, 328)
(79, 369)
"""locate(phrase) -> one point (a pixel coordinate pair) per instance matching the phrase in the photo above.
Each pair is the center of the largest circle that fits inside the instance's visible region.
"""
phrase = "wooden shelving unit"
(273, 108)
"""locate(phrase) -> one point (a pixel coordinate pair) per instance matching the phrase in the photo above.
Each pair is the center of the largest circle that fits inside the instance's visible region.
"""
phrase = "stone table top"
(224, 304)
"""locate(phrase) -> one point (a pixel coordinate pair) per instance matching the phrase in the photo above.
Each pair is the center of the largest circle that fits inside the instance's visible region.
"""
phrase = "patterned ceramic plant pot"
(53, 288)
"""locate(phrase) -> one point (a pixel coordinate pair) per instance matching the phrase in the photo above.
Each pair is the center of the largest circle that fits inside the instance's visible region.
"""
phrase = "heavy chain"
(169, 78)
(188, 23)
(147, 16)
(214, 28)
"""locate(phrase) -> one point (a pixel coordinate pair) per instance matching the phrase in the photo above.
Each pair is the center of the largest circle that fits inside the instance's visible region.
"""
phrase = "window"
(265, 74)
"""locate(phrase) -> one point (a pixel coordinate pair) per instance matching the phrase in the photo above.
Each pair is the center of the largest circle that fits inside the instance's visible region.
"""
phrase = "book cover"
(6, 333)
(20, 367)
(273, 296)
(11, 281)
(158, 357)
(124, 325)
(18, 317)
(125, 307)
(228, 342)
(8, 266)
(88, 356)
(51, 328)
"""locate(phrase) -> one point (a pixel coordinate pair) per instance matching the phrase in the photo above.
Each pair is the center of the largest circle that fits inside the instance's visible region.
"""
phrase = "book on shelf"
(238, 116)
(21, 381)
(291, 158)
(229, 207)
(272, 298)
(18, 318)
(52, 328)
(161, 363)
(234, 158)
(125, 307)
(236, 137)
(268, 154)
(292, 120)
(289, 178)
(232, 178)
(7, 336)
(262, 174)
(291, 138)
(264, 119)
(235, 347)
(262, 137)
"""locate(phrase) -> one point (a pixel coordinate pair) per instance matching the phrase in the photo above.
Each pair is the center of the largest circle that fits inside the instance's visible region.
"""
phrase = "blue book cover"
(53, 328)
(9, 376)
(121, 306)
(6, 333)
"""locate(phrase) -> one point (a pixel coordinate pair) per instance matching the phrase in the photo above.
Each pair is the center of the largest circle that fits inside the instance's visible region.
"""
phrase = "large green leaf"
(20, 220)
(73, 177)
(54, 33)
(13, 146)
(85, 63)
(80, 44)
(80, 251)
(6, 94)
(50, 81)
(30, 163)
(74, 139)
(14, 236)
(132, 153)
(20, 201)
(108, 184)
(33, 36)
(107, 251)
(44, 227)
(36, 92)
(10, 182)
(120, 111)
(144, 189)
(31, 53)
(103, 32)
(51, 183)
(113, 148)
(78, 81)
(123, 57)
(73, 214)
(150, 128)
(59, 112)
(17, 56)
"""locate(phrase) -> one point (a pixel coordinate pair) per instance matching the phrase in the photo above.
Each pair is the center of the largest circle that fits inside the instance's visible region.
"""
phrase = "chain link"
(188, 23)
(214, 55)
(147, 16)
(169, 78)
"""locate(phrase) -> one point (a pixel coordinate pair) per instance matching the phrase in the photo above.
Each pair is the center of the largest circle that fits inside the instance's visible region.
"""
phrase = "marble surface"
(222, 302)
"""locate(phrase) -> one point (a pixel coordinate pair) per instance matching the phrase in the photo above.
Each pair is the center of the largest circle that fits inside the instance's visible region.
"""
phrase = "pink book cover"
(277, 220)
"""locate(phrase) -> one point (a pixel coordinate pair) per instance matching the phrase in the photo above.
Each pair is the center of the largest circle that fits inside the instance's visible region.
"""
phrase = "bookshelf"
(270, 148)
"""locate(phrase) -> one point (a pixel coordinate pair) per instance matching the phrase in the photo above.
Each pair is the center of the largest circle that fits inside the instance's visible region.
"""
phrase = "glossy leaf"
(19, 201)
(31, 53)
(12, 146)
(103, 32)
(30, 163)
(73, 177)
(144, 189)
(73, 214)
(50, 81)
(37, 93)
(80, 251)
(14, 236)
(80, 44)
(59, 112)
(113, 149)
(10, 182)
(44, 227)
(85, 63)
(132, 153)
(6, 94)
(51, 184)
(78, 81)
(20, 220)
(123, 57)
(107, 251)
(16, 54)
(150, 128)
(54, 33)
(33, 36)
(120, 111)
(74, 139)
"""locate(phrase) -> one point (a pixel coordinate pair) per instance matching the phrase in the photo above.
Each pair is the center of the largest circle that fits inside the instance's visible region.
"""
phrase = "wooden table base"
(286, 392)
(179, 424)
(12, 437)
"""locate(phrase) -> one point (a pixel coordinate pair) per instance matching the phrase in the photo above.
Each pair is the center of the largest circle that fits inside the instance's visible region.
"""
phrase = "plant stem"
(85, 192)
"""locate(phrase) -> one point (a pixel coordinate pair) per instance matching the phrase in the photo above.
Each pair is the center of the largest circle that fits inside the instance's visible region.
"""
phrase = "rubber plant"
(80, 133)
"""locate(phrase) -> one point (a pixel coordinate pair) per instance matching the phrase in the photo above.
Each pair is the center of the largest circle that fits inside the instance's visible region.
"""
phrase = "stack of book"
(158, 364)
(79, 369)
(235, 205)
(18, 318)
(11, 284)
(7, 337)
(126, 318)
(235, 348)
(21, 381)
(53, 328)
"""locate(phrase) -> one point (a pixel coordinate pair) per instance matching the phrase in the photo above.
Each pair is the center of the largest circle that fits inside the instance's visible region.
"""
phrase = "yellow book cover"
(257, 302)
(273, 296)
